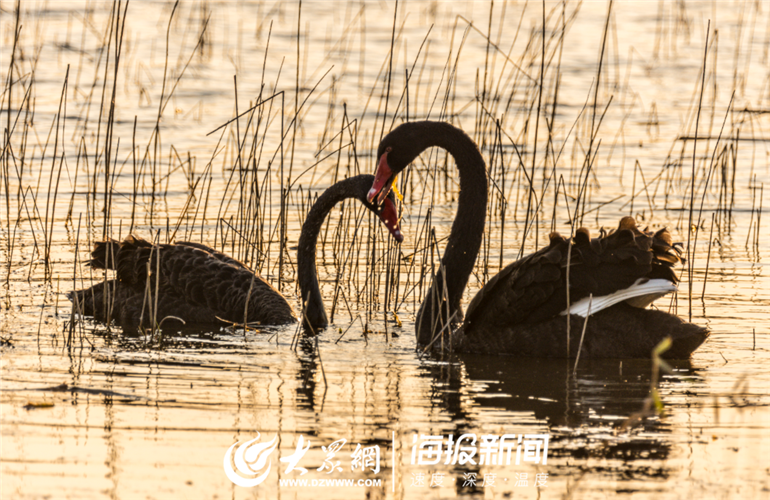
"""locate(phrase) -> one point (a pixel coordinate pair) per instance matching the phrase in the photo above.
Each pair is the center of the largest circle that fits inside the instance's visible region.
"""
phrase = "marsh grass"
(248, 195)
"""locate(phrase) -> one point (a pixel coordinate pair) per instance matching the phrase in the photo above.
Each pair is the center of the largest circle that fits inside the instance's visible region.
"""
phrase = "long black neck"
(443, 298)
(354, 187)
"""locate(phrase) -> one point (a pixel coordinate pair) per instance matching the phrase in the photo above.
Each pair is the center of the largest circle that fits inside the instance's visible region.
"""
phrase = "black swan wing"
(534, 289)
(195, 281)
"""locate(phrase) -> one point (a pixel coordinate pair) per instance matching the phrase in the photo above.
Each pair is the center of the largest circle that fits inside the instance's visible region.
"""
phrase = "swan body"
(200, 285)
(524, 310)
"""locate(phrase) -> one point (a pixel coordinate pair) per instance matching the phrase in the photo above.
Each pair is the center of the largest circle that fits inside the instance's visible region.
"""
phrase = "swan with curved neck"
(307, 276)
(522, 310)
(395, 153)
(200, 285)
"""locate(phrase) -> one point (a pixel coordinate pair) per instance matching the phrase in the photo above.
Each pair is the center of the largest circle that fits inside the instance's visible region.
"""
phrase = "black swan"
(203, 286)
(522, 310)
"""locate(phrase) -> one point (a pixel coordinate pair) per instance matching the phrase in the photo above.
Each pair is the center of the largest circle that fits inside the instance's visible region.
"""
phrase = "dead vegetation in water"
(80, 174)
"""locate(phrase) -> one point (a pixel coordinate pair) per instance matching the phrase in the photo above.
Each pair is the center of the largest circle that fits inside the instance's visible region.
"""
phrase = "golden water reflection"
(114, 415)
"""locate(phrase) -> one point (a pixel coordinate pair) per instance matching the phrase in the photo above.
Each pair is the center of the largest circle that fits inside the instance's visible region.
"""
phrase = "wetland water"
(107, 113)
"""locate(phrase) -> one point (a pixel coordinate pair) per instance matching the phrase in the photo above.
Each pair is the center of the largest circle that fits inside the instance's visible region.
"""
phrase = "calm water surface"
(101, 413)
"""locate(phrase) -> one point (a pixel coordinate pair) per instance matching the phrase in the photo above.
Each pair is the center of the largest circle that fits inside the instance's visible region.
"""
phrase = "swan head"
(388, 215)
(395, 152)
(401, 146)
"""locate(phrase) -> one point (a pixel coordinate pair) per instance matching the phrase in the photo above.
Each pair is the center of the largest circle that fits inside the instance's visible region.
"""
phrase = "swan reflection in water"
(584, 414)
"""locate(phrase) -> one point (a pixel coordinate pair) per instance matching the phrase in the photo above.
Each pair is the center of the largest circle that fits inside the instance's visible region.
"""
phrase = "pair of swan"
(522, 311)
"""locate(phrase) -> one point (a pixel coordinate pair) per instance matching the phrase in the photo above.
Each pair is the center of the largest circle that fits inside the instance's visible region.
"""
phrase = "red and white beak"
(383, 181)
(389, 216)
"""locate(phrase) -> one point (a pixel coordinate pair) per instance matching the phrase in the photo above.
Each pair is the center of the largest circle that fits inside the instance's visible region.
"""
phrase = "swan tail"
(101, 301)
(105, 254)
